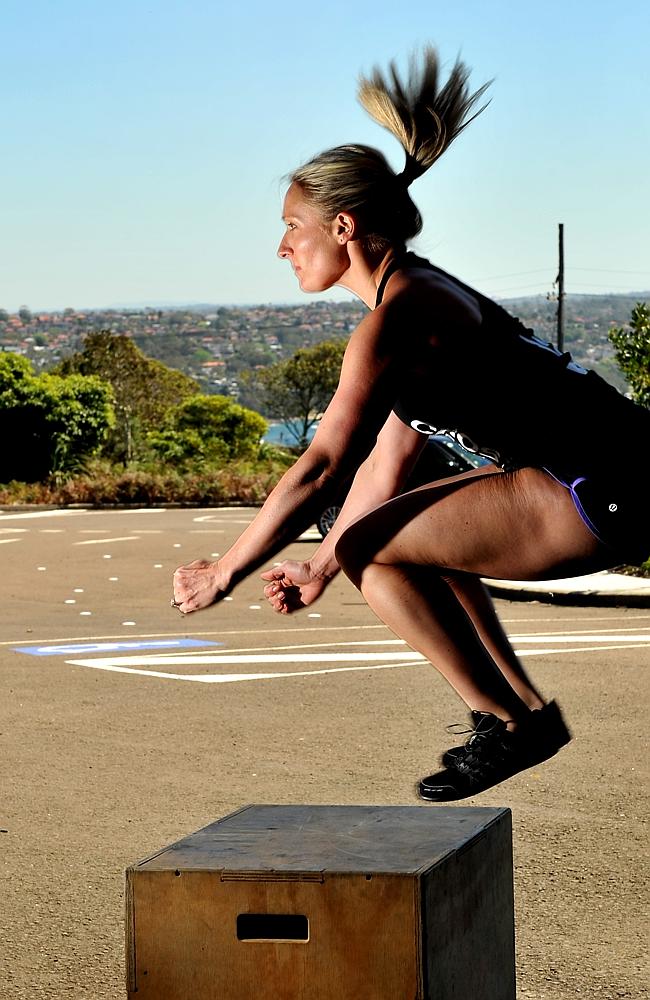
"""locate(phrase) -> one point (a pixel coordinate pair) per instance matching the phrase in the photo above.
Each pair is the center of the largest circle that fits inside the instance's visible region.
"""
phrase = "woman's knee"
(353, 552)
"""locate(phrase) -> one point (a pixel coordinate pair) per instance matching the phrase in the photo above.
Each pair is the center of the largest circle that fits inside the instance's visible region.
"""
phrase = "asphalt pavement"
(609, 588)
(125, 726)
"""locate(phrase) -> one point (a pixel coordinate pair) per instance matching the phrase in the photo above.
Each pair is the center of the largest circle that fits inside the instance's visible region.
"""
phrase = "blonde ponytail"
(422, 116)
(358, 179)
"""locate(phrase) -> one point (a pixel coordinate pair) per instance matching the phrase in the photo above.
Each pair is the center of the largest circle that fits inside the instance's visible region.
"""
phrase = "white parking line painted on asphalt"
(585, 637)
(231, 678)
(218, 518)
(311, 629)
(142, 510)
(222, 520)
(103, 541)
(232, 659)
(360, 660)
(32, 514)
(79, 512)
(579, 649)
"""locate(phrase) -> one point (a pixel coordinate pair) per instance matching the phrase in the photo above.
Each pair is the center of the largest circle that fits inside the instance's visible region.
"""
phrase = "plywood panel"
(328, 838)
(468, 921)
(400, 902)
(363, 939)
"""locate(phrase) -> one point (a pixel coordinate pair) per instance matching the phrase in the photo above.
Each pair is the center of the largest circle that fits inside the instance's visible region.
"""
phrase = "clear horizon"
(145, 145)
(643, 295)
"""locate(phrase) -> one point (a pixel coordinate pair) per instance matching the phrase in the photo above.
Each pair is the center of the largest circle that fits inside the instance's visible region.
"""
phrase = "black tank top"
(504, 393)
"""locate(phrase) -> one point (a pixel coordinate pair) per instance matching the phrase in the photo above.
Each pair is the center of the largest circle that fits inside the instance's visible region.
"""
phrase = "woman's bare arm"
(382, 476)
(293, 585)
(345, 437)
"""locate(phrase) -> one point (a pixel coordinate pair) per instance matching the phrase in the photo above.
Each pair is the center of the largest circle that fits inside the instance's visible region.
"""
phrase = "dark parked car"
(441, 457)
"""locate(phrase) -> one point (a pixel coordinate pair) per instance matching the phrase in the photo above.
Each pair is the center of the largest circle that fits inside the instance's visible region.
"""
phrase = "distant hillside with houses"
(214, 344)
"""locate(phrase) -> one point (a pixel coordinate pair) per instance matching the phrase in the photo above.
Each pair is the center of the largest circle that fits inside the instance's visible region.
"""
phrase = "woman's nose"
(283, 249)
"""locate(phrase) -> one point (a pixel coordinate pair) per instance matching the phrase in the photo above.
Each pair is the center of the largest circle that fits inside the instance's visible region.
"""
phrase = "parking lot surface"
(125, 726)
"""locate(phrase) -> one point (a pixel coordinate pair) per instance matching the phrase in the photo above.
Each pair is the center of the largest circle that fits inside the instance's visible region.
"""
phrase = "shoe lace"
(474, 734)
(484, 751)
(458, 729)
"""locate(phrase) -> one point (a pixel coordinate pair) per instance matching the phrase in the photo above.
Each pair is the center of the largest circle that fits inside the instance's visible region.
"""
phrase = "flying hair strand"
(423, 116)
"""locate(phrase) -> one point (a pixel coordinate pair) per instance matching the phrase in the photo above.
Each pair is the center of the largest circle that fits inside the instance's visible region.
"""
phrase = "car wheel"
(327, 518)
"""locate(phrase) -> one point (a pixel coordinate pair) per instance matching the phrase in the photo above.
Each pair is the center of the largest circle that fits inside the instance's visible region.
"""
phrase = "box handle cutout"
(272, 927)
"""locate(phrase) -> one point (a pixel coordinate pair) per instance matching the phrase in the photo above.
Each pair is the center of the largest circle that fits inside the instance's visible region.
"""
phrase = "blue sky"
(144, 143)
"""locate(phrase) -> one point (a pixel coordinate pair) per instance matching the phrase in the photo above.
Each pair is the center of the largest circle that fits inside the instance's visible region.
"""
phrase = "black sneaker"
(492, 754)
(551, 730)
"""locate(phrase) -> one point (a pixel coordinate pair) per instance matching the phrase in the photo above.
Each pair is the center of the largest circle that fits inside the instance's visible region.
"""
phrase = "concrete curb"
(596, 589)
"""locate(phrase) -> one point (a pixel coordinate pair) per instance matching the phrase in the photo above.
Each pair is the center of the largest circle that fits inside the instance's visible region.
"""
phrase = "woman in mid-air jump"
(434, 355)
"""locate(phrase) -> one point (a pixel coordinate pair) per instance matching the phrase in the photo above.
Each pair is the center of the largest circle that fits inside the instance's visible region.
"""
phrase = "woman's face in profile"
(311, 245)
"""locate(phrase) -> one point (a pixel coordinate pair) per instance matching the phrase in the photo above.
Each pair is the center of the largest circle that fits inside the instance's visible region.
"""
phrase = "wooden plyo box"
(327, 903)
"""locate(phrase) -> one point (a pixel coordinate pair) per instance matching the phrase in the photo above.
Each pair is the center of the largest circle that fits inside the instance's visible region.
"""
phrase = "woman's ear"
(344, 227)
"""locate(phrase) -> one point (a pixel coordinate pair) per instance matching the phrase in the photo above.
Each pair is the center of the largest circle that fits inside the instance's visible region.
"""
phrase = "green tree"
(297, 391)
(208, 429)
(25, 314)
(51, 422)
(143, 389)
(632, 347)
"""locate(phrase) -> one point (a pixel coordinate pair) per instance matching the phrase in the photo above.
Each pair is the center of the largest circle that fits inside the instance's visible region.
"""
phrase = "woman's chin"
(311, 286)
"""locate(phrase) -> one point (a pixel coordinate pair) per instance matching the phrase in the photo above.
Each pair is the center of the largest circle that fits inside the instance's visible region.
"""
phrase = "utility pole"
(560, 292)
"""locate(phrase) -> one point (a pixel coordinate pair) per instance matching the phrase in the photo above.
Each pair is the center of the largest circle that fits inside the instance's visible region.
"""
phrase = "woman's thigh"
(517, 525)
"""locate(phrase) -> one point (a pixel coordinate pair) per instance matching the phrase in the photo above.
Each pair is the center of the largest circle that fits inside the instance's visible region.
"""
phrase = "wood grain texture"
(396, 898)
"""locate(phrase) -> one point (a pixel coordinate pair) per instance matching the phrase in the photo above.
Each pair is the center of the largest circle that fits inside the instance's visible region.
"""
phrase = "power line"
(608, 270)
(518, 288)
(589, 284)
(515, 274)
(515, 288)
(545, 270)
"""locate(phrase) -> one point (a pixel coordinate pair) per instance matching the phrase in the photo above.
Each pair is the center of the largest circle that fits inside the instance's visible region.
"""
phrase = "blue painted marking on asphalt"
(112, 647)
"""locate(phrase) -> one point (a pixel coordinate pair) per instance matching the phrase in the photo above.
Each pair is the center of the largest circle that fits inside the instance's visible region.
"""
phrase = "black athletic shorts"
(617, 512)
